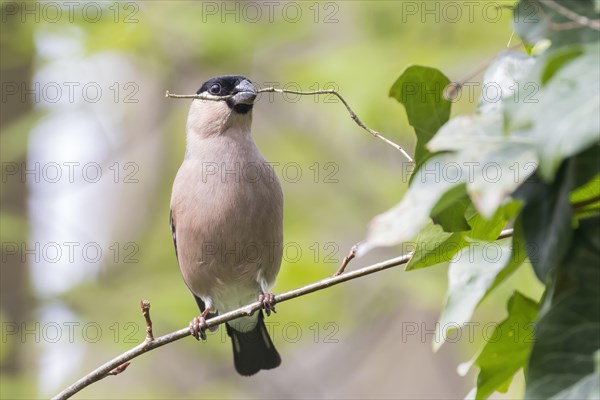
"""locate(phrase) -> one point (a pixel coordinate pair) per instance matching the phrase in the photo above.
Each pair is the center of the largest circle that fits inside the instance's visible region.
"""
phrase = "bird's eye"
(215, 89)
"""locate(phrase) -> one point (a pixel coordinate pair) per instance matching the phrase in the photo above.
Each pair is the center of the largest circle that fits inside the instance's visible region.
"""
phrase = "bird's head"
(209, 118)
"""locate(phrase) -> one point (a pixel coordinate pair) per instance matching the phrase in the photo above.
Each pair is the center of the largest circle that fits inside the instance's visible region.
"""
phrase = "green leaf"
(568, 334)
(489, 228)
(434, 246)
(472, 273)
(586, 200)
(586, 165)
(421, 91)
(406, 219)
(475, 152)
(546, 219)
(501, 79)
(557, 60)
(532, 21)
(472, 151)
(449, 212)
(492, 164)
(589, 191)
(453, 218)
(586, 388)
(559, 118)
(509, 347)
(486, 229)
(518, 256)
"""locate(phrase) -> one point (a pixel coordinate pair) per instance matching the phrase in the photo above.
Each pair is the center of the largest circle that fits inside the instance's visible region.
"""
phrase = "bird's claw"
(198, 328)
(268, 302)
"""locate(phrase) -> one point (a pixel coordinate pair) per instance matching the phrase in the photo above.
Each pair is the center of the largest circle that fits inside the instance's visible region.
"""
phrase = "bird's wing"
(199, 301)
(173, 232)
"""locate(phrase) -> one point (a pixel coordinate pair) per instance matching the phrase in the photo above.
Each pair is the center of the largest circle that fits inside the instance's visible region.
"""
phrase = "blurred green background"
(90, 147)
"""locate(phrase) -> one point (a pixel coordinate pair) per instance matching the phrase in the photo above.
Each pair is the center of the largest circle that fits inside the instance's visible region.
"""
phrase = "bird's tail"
(253, 350)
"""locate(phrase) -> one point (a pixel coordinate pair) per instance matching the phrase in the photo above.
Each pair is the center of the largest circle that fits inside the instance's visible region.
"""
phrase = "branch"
(454, 87)
(197, 96)
(328, 91)
(145, 305)
(118, 364)
(578, 20)
(347, 259)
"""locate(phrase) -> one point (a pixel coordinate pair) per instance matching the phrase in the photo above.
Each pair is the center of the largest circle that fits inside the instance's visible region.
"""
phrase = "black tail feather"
(253, 350)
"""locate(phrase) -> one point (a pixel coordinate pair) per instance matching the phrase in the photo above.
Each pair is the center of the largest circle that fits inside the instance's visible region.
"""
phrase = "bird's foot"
(268, 302)
(198, 328)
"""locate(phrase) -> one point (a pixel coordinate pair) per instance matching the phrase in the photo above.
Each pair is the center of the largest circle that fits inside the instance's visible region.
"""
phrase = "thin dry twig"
(197, 96)
(119, 369)
(347, 259)
(454, 87)
(145, 306)
(578, 20)
(120, 361)
(315, 92)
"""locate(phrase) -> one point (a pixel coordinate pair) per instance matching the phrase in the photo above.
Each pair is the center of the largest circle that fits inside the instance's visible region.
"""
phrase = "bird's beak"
(245, 93)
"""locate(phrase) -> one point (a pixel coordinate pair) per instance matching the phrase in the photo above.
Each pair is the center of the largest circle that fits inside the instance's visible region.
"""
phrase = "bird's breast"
(229, 209)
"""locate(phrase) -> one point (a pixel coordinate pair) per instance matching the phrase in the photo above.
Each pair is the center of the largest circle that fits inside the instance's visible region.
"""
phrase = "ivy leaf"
(491, 164)
(532, 21)
(568, 334)
(585, 199)
(589, 191)
(405, 220)
(546, 219)
(449, 212)
(421, 91)
(471, 150)
(471, 275)
(518, 257)
(509, 350)
(502, 79)
(475, 153)
(453, 219)
(561, 119)
(587, 165)
(554, 61)
(490, 228)
(586, 388)
(434, 246)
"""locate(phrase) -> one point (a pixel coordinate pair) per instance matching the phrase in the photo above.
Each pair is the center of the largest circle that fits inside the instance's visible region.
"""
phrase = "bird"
(227, 220)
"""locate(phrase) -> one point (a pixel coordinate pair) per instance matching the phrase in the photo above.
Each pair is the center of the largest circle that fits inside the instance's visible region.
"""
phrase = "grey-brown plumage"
(227, 216)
